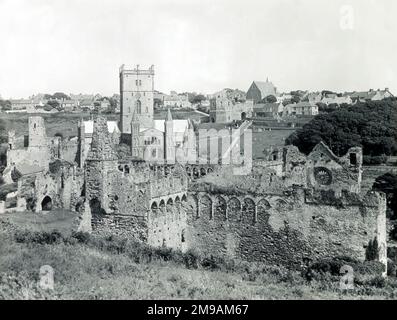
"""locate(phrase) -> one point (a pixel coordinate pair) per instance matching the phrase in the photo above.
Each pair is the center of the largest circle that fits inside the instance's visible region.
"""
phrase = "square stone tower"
(136, 96)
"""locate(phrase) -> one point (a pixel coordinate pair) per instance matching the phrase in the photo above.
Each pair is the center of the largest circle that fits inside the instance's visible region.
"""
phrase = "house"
(104, 105)
(224, 110)
(261, 89)
(68, 105)
(371, 95)
(284, 97)
(268, 109)
(313, 97)
(21, 104)
(235, 95)
(337, 100)
(87, 104)
(301, 109)
(81, 97)
(382, 94)
(175, 100)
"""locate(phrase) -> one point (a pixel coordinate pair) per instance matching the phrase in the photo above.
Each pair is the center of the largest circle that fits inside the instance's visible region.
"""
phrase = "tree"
(158, 102)
(370, 125)
(60, 96)
(3, 132)
(198, 98)
(52, 104)
(5, 105)
(270, 99)
(387, 183)
(295, 99)
(325, 92)
(48, 107)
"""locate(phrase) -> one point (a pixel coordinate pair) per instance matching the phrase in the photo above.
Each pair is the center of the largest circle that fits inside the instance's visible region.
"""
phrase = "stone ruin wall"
(287, 229)
(299, 169)
(64, 188)
(127, 198)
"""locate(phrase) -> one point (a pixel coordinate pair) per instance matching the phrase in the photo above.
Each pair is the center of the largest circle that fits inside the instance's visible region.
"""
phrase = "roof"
(86, 102)
(20, 101)
(265, 87)
(267, 107)
(180, 126)
(112, 126)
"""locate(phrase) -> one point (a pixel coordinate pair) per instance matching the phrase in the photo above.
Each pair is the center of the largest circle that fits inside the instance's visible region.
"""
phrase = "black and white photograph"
(217, 151)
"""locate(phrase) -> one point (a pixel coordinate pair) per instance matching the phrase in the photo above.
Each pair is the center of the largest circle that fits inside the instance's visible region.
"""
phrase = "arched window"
(138, 106)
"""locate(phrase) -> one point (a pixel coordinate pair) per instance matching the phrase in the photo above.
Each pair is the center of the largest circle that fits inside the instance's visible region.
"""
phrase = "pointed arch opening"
(234, 210)
(220, 208)
(206, 206)
(46, 204)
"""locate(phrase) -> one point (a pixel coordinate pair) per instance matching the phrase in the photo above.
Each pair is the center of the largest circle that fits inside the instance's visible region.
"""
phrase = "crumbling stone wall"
(62, 185)
(126, 196)
(322, 169)
(290, 229)
(69, 150)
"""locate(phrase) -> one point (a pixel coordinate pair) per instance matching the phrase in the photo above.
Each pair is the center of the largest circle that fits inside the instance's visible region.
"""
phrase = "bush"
(191, 259)
(331, 267)
(378, 282)
(38, 237)
(391, 268)
(372, 251)
(374, 160)
(81, 237)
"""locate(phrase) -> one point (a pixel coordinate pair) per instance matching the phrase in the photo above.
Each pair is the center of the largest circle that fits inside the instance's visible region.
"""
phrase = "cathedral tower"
(136, 96)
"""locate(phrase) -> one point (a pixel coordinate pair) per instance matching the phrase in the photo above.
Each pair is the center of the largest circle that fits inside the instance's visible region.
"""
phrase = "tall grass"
(94, 267)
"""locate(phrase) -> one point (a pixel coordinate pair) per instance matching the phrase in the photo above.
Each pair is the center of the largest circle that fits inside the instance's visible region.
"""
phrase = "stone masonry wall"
(290, 230)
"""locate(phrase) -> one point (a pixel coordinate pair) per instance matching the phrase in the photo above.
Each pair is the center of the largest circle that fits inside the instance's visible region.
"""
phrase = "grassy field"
(90, 267)
(266, 139)
(179, 114)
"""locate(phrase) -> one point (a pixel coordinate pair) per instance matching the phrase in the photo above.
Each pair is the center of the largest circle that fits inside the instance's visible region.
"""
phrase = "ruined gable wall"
(322, 170)
(69, 150)
(290, 230)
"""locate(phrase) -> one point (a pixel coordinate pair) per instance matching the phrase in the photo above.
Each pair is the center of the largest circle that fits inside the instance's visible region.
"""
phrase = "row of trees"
(371, 125)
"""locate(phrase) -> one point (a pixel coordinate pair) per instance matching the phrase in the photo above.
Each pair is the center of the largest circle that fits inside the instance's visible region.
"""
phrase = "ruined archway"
(170, 205)
(178, 204)
(46, 204)
(248, 210)
(96, 208)
(206, 206)
(189, 171)
(243, 116)
(162, 206)
(261, 210)
(234, 210)
(196, 172)
(220, 208)
(203, 172)
(154, 208)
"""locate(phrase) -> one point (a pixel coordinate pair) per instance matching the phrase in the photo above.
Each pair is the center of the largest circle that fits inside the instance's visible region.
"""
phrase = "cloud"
(77, 46)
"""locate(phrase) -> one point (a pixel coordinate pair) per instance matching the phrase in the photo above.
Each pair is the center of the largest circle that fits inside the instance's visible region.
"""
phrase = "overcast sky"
(197, 45)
